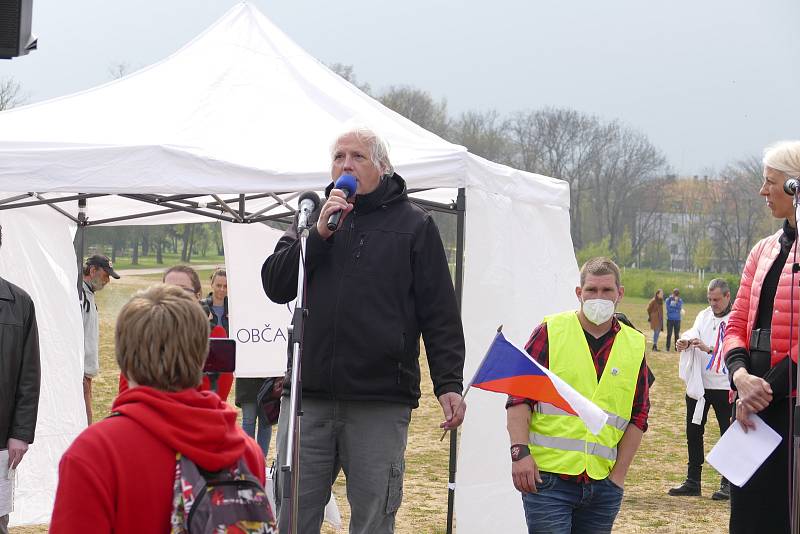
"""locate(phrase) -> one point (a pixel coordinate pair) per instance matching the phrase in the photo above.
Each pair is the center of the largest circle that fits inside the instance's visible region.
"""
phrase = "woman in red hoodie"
(760, 350)
(119, 473)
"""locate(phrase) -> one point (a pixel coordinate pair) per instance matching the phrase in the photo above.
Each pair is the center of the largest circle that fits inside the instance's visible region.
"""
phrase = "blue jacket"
(674, 308)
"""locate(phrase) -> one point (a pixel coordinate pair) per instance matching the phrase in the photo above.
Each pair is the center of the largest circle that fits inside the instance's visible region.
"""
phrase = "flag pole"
(499, 331)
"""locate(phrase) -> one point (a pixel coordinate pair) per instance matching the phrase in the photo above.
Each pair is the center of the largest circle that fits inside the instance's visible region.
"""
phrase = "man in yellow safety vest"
(572, 480)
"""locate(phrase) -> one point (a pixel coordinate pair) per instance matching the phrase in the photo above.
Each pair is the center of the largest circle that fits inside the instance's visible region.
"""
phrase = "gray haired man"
(703, 369)
(374, 286)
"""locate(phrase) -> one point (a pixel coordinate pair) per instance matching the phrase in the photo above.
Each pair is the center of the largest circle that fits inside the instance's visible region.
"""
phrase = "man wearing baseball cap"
(97, 272)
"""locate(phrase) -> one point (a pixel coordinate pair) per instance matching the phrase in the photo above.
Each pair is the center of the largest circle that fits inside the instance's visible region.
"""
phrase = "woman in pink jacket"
(761, 350)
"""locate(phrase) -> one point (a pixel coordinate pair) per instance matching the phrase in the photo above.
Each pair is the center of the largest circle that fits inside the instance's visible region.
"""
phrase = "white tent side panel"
(258, 325)
(520, 267)
(37, 255)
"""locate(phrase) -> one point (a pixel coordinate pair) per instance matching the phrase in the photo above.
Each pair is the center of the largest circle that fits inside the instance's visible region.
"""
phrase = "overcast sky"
(707, 81)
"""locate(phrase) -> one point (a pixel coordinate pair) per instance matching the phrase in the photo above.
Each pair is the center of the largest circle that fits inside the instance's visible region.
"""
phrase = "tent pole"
(461, 204)
(80, 248)
(242, 210)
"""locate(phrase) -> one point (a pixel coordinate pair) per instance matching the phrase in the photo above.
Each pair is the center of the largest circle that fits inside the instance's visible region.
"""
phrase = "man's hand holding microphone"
(336, 203)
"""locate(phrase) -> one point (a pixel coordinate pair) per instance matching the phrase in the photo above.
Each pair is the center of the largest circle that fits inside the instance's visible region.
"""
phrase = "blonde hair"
(600, 266)
(162, 339)
(784, 157)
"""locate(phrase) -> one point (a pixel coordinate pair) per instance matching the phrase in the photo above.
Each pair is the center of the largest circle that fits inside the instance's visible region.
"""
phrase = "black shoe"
(723, 493)
(655, 348)
(690, 488)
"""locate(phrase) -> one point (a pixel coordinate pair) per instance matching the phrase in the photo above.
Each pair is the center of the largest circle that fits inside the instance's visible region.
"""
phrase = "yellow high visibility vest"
(560, 441)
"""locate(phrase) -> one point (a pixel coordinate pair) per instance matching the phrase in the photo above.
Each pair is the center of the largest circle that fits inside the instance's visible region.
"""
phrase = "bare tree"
(645, 212)
(561, 143)
(418, 106)
(738, 216)
(691, 215)
(483, 133)
(626, 162)
(347, 72)
(10, 93)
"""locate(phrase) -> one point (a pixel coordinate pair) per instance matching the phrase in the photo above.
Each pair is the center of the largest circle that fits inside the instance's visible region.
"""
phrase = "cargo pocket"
(395, 491)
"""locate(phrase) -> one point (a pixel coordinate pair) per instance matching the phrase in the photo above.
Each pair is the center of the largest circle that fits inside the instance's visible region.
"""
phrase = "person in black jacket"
(19, 374)
(373, 287)
(217, 300)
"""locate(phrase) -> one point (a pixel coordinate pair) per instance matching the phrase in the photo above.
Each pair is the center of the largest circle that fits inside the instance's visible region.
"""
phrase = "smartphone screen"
(221, 356)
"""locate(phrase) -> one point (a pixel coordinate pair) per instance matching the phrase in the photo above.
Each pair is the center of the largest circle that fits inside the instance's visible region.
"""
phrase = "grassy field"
(149, 262)
(659, 465)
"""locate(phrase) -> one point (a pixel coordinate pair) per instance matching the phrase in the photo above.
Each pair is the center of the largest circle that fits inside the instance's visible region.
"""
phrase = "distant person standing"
(217, 304)
(706, 377)
(655, 315)
(246, 388)
(674, 309)
(97, 272)
(247, 399)
(217, 300)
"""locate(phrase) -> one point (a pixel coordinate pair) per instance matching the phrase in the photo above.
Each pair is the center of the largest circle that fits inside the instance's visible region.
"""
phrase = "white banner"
(258, 325)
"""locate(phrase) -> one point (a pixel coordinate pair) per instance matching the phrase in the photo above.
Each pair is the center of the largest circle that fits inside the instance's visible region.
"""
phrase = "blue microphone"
(346, 183)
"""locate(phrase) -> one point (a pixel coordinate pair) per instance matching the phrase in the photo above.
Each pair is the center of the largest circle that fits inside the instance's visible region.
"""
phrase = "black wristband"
(519, 451)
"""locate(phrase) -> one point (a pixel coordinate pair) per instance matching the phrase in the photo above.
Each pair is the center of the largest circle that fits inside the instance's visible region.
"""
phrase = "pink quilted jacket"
(745, 308)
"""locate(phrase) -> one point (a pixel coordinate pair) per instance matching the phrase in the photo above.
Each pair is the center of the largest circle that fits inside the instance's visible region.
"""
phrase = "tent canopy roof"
(240, 108)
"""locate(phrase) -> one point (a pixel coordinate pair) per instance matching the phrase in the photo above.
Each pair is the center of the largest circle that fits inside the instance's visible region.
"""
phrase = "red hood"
(195, 423)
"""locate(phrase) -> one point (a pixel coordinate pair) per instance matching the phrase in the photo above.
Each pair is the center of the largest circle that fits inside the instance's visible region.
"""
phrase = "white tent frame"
(62, 147)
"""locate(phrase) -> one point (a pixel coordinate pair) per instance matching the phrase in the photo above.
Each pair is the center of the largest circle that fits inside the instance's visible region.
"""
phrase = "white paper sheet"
(737, 455)
(6, 485)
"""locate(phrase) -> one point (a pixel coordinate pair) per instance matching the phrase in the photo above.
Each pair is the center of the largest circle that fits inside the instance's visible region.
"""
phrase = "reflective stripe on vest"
(578, 445)
(614, 420)
(560, 441)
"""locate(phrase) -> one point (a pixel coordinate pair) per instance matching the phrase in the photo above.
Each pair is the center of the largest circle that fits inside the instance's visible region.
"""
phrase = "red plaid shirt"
(537, 347)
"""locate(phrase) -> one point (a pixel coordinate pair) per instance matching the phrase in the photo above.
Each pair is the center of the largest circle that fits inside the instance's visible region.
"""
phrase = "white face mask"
(598, 311)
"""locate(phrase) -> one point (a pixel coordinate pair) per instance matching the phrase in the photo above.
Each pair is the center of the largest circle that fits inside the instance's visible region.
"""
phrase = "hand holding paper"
(738, 454)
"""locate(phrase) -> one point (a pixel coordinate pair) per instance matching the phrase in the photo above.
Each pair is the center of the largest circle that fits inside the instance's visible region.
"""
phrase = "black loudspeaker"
(15, 28)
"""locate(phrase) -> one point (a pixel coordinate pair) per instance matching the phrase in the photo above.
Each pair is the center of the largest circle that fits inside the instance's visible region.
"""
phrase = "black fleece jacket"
(19, 365)
(372, 288)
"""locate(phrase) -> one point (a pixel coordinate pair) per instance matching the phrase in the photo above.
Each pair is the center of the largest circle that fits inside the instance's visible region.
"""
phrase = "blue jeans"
(249, 415)
(565, 506)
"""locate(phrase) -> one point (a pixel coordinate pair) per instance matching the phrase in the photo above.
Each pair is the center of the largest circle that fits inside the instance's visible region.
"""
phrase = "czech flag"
(507, 369)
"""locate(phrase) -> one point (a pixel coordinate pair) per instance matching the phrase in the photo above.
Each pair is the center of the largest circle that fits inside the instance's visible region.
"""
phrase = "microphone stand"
(794, 420)
(291, 467)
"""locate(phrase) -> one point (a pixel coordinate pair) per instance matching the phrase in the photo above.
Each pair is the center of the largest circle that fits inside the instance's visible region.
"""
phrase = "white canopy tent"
(244, 114)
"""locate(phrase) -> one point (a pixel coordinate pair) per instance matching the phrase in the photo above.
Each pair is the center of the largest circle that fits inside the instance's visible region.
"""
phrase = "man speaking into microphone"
(375, 283)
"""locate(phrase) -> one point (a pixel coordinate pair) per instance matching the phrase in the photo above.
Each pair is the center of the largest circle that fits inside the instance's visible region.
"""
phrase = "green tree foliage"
(623, 254)
(656, 256)
(592, 250)
(703, 252)
(418, 106)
